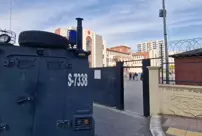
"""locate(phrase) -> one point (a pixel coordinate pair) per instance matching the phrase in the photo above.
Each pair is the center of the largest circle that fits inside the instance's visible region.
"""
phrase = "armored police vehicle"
(45, 85)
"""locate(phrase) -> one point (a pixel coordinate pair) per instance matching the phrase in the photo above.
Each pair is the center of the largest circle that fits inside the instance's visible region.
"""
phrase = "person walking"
(141, 76)
(130, 75)
(133, 76)
(136, 76)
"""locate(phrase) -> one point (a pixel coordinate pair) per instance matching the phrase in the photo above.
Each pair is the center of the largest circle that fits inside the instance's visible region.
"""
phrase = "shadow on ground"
(110, 122)
(133, 96)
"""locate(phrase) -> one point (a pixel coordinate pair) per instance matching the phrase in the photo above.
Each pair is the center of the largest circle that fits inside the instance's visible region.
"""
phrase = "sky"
(120, 22)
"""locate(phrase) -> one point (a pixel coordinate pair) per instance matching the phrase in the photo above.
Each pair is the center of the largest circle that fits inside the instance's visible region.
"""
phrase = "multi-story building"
(107, 57)
(156, 49)
(150, 45)
(158, 62)
(91, 42)
(124, 53)
(117, 53)
(137, 58)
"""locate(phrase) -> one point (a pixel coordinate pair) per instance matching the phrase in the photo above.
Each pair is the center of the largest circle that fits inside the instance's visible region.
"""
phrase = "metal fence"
(185, 63)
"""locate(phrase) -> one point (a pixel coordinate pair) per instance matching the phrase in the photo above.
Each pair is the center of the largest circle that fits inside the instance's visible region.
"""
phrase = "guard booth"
(43, 91)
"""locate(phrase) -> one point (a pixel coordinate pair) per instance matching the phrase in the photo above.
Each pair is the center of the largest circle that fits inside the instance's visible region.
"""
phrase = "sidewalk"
(180, 126)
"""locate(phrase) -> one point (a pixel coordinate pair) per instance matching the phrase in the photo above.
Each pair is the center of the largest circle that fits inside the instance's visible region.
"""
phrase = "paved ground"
(133, 96)
(111, 122)
(181, 126)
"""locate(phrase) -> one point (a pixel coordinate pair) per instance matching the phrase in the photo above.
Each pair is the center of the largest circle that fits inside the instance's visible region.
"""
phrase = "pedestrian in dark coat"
(130, 76)
(141, 76)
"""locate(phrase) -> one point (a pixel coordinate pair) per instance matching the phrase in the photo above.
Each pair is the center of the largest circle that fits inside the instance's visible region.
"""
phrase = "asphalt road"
(110, 122)
(133, 96)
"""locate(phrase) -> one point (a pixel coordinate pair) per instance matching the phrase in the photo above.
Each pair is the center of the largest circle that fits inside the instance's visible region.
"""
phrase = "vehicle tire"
(42, 39)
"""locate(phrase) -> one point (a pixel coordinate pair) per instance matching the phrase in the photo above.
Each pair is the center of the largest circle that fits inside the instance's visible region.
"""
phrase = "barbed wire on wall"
(190, 47)
(185, 45)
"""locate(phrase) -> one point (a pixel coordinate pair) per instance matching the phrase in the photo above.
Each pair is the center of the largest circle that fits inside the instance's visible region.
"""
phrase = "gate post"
(120, 85)
(145, 85)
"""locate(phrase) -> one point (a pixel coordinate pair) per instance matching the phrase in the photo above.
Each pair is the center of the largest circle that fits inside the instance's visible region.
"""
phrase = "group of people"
(135, 76)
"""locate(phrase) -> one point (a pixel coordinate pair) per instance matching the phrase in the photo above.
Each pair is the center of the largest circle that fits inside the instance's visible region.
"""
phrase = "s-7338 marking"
(78, 79)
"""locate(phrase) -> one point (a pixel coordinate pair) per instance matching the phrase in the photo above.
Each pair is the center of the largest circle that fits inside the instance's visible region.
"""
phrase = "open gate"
(136, 91)
(109, 88)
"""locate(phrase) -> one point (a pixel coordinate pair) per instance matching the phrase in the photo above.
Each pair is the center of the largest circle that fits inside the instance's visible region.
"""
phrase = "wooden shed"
(188, 67)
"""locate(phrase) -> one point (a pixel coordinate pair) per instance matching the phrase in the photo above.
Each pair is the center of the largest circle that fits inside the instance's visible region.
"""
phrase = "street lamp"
(162, 13)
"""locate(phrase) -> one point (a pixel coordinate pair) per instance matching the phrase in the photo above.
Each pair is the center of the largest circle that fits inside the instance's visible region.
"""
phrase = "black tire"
(42, 39)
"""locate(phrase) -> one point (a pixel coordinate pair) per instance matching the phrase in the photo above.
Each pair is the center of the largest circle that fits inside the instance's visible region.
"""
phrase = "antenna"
(11, 2)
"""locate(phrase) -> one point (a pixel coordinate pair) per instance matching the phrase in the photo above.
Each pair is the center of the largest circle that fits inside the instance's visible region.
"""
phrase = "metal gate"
(137, 101)
(108, 86)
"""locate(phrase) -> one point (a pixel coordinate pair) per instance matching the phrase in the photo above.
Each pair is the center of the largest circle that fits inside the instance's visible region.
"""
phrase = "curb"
(155, 126)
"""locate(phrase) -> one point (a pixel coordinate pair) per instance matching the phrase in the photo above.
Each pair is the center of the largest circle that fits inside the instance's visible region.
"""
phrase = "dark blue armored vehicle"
(45, 86)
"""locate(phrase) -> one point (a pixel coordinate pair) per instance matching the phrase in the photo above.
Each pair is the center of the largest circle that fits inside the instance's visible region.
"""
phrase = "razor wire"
(185, 45)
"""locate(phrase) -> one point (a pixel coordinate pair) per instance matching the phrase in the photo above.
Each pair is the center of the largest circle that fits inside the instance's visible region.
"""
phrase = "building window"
(88, 43)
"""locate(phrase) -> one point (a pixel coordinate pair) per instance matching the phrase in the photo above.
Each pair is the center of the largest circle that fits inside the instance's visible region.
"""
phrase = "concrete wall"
(182, 100)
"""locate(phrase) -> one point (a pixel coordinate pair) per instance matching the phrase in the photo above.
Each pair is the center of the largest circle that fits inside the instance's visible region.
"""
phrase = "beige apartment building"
(156, 48)
(124, 53)
(91, 42)
(117, 53)
(150, 45)
(106, 57)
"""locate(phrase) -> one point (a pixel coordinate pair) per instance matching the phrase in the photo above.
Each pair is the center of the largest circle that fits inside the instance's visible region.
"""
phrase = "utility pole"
(162, 76)
(11, 3)
(163, 14)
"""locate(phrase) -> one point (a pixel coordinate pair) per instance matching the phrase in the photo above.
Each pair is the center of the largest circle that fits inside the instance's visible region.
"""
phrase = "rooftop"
(112, 50)
(120, 46)
(140, 53)
(192, 53)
